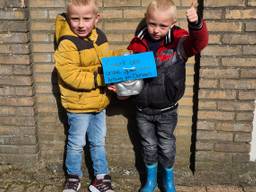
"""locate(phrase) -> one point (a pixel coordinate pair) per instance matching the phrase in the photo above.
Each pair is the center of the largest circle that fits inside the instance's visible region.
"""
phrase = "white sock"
(100, 176)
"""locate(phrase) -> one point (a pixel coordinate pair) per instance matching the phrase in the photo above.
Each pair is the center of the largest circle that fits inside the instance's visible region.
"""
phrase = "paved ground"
(43, 180)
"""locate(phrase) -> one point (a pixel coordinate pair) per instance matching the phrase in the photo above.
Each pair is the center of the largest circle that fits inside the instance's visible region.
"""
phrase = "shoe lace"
(72, 183)
(104, 185)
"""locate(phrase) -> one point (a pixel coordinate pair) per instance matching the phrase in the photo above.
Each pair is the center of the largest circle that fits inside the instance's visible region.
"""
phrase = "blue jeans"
(94, 126)
(157, 138)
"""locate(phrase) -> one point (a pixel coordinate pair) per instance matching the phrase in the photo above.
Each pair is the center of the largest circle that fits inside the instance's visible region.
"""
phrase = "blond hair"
(163, 5)
(82, 3)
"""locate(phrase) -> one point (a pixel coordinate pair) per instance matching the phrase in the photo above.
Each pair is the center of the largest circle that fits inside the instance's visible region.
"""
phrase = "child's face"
(82, 19)
(158, 23)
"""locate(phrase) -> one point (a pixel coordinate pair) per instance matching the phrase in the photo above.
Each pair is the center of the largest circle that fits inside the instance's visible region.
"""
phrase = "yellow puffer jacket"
(79, 68)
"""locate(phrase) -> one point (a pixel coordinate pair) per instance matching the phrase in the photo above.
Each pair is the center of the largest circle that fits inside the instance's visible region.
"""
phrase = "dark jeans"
(157, 138)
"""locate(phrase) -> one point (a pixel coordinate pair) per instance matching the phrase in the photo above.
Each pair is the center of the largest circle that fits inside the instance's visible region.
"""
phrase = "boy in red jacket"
(156, 113)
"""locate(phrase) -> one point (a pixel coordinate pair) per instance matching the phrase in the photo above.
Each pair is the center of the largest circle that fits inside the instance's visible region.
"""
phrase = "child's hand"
(192, 12)
(112, 88)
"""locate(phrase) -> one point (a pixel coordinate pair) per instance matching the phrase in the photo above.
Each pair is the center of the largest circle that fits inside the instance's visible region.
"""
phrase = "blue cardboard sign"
(129, 67)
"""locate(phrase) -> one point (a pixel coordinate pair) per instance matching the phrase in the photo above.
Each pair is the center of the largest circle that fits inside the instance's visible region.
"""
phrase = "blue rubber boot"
(151, 183)
(168, 181)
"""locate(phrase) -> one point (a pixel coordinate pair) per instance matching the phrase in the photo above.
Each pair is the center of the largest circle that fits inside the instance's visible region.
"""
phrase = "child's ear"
(98, 17)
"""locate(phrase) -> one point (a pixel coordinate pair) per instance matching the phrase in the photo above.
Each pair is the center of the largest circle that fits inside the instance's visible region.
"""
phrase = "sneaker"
(101, 185)
(72, 184)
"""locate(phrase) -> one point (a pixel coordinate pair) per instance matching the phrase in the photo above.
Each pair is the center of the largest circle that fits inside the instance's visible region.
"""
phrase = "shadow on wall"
(61, 111)
(195, 100)
(127, 109)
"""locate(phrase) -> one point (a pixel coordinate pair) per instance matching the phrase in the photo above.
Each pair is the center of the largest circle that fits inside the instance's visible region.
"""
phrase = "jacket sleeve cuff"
(98, 80)
(196, 25)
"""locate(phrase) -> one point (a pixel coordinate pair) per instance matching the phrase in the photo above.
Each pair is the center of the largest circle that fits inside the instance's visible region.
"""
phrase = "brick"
(14, 59)
(7, 111)
(121, 3)
(22, 70)
(11, 3)
(247, 95)
(42, 57)
(240, 14)
(20, 101)
(43, 68)
(39, 14)
(224, 126)
(245, 39)
(14, 49)
(209, 61)
(214, 135)
(21, 149)
(248, 73)
(185, 111)
(112, 14)
(220, 3)
(17, 121)
(213, 14)
(135, 13)
(47, 3)
(214, 50)
(25, 111)
(14, 38)
(242, 137)
(217, 94)
(24, 91)
(250, 26)
(15, 80)
(42, 26)
(249, 50)
(202, 146)
(239, 62)
(113, 37)
(40, 89)
(186, 101)
(244, 116)
(235, 106)
(121, 26)
(13, 26)
(206, 83)
(214, 26)
(12, 14)
(215, 39)
(7, 91)
(207, 105)
(232, 147)
(43, 78)
(215, 115)
(219, 73)
(238, 84)
(24, 160)
(6, 70)
(40, 37)
(213, 156)
(42, 48)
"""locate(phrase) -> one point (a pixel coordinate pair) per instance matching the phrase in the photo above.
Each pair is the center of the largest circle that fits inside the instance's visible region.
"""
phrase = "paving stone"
(16, 188)
(34, 187)
(190, 189)
(50, 188)
(220, 188)
(250, 189)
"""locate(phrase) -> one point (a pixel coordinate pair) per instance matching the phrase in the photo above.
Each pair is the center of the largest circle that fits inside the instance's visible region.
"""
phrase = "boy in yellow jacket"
(80, 45)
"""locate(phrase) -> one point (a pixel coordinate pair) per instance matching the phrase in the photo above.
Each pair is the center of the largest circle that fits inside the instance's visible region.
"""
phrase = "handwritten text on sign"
(129, 67)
